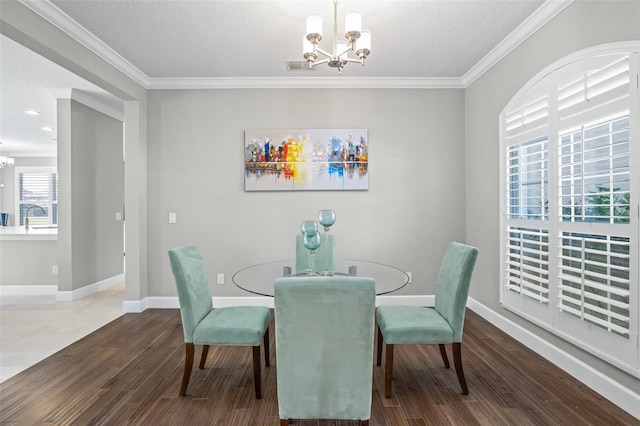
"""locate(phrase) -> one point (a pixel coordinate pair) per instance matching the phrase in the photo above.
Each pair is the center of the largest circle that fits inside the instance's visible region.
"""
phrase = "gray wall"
(414, 206)
(572, 30)
(28, 262)
(90, 240)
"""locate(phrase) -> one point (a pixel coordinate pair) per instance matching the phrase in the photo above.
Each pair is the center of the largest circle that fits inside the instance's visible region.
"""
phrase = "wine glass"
(327, 218)
(311, 241)
(309, 226)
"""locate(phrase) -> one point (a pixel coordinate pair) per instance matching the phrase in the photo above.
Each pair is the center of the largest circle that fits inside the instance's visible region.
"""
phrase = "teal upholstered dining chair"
(324, 257)
(441, 324)
(203, 325)
(324, 346)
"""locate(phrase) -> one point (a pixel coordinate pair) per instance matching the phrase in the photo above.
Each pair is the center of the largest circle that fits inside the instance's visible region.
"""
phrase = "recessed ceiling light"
(32, 112)
(47, 129)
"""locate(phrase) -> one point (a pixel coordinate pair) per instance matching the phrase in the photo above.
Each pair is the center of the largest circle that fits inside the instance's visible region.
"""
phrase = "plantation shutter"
(571, 242)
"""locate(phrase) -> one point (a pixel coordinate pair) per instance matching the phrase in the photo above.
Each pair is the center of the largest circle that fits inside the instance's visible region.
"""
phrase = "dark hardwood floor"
(129, 372)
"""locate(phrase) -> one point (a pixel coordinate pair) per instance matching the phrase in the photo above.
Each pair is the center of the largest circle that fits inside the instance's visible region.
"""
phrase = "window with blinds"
(37, 187)
(595, 172)
(594, 280)
(527, 263)
(527, 174)
(571, 190)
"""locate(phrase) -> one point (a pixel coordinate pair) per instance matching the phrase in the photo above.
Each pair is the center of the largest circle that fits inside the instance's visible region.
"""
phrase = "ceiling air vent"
(298, 66)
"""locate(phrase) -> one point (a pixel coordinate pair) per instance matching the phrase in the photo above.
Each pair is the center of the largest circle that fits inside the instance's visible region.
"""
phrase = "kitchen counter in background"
(19, 233)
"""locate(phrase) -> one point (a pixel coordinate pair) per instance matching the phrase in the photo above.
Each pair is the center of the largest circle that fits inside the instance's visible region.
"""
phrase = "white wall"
(414, 206)
(583, 24)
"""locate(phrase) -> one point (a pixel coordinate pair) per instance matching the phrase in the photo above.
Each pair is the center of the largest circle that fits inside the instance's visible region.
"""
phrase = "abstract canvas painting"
(306, 160)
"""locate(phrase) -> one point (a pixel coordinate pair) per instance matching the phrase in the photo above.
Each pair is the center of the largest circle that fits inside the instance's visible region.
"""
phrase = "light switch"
(118, 216)
(172, 218)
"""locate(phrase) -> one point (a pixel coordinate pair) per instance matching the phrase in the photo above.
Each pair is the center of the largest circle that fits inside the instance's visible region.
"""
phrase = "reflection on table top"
(258, 279)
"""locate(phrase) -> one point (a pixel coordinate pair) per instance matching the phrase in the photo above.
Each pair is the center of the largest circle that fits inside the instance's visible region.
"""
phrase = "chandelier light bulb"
(363, 45)
(314, 27)
(308, 50)
(352, 25)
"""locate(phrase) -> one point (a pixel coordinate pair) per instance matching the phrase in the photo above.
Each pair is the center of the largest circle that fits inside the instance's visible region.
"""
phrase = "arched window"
(570, 161)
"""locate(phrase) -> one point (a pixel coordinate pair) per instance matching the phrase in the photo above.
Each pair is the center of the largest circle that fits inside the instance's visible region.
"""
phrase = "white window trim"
(546, 316)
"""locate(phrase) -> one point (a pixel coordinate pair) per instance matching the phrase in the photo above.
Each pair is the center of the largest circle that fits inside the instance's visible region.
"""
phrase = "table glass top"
(258, 279)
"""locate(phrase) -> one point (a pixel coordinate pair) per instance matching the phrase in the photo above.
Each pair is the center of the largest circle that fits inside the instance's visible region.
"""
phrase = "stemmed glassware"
(311, 241)
(327, 218)
(309, 226)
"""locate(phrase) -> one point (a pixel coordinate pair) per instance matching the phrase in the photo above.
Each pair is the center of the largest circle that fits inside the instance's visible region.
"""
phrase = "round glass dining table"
(258, 279)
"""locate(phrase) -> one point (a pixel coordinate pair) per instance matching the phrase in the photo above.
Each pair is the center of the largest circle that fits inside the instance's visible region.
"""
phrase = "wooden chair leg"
(284, 422)
(257, 375)
(365, 422)
(457, 361)
(266, 348)
(380, 338)
(443, 352)
(388, 371)
(203, 357)
(188, 364)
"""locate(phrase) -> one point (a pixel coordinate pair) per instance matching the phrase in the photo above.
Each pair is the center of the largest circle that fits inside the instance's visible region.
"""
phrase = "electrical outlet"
(220, 278)
(54, 270)
(410, 275)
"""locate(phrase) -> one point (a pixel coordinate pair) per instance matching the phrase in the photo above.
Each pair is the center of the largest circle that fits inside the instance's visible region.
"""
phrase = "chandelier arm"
(357, 61)
(324, 61)
(325, 53)
(348, 49)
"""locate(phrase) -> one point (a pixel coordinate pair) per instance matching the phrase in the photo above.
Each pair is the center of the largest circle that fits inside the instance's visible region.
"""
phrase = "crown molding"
(306, 83)
(61, 20)
(66, 24)
(533, 23)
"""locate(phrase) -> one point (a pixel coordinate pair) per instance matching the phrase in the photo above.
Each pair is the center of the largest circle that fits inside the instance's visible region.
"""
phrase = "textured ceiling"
(189, 43)
(224, 39)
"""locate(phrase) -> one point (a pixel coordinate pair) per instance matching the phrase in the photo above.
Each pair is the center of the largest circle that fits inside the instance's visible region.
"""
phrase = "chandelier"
(5, 161)
(358, 40)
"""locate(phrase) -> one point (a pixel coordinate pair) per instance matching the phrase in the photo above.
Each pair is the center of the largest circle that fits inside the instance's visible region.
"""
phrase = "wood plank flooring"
(129, 372)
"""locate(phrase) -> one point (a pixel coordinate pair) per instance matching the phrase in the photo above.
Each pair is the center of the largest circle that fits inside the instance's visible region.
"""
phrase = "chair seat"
(412, 324)
(236, 325)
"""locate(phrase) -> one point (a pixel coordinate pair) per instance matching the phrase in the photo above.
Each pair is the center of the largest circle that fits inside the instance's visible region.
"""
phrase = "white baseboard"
(69, 296)
(623, 397)
(136, 306)
(28, 290)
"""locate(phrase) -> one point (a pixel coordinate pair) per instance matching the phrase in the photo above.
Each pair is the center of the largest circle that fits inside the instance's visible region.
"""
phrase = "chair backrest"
(324, 346)
(192, 282)
(324, 257)
(452, 287)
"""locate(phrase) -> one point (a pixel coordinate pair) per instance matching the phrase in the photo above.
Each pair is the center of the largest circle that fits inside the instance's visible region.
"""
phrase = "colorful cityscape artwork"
(306, 160)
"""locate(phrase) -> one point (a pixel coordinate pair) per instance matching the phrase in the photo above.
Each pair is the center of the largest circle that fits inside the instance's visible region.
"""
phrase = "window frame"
(624, 355)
